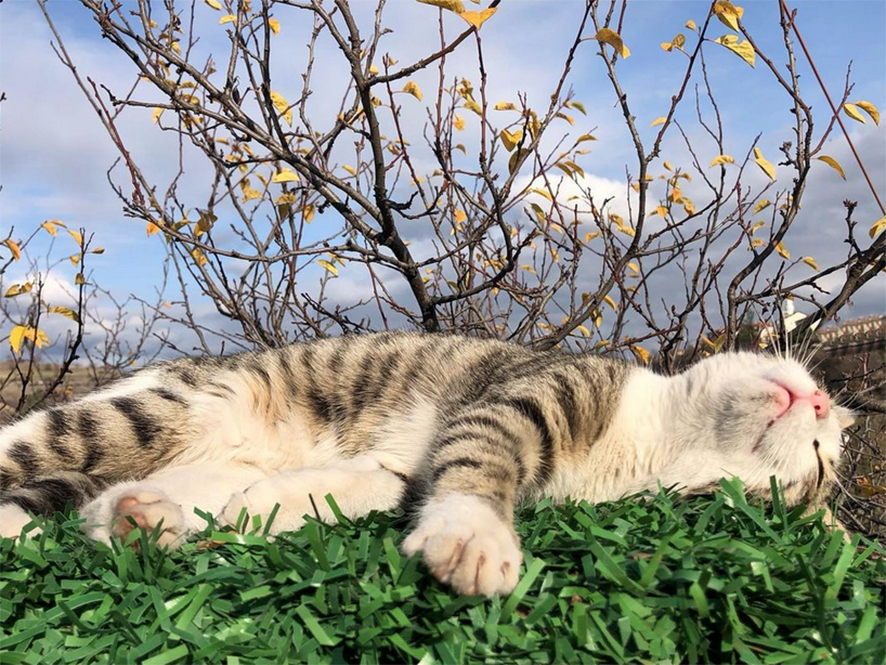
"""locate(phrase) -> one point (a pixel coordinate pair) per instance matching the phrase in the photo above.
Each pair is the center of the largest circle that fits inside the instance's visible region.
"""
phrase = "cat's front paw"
(467, 545)
(141, 507)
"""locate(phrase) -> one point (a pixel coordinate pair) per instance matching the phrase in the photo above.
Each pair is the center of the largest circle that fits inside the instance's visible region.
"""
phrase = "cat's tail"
(124, 431)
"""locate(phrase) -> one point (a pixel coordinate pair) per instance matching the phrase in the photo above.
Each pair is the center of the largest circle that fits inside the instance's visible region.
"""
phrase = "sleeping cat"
(460, 429)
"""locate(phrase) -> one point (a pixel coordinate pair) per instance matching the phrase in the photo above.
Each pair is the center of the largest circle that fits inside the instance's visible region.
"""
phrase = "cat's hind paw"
(467, 545)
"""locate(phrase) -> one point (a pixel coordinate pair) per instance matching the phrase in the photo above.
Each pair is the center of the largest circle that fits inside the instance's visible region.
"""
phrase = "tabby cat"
(458, 429)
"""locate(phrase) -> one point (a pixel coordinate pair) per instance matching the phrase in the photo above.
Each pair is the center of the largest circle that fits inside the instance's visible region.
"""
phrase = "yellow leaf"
(79, 279)
(64, 311)
(460, 216)
(565, 117)
(413, 90)
(451, 5)
(198, 256)
(471, 105)
(661, 210)
(690, 24)
(461, 146)
(756, 242)
(152, 228)
(641, 353)
(509, 140)
(285, 175)
(97, 250)
(50, 228)
(779, 247)
(249, 194)
(609, 301)
(852, 111)
(578, 106)
(722, 159)
(809, 261)
(18, 289)
(13, 247)
(761, 205)
(612, 38)
(76, 236)
(21, 333)
(676, 43)
(585, 137)
(349, 169)
(458, 122)
(156, 114)
(308, 212)
(871, 110)
(227, 18)
(282, 106)
(634, 268)
(667, 165)
(584, 331)
(878, 227)
(477, 19)
(658, 121)
(274, 25)
(764, 163)
(516, 157)
(590, 236)
(505, 106)
(627, 230)
(743, 50)
(543, 193)
(728, 14)
(38, 337)
(205, 223)
(16, 337)
(834, 164)
(215, 4)
(757, 226)
(329, 266)
(528, 268)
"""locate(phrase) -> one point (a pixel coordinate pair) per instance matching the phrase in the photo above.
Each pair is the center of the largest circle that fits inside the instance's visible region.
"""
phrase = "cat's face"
(768, 417)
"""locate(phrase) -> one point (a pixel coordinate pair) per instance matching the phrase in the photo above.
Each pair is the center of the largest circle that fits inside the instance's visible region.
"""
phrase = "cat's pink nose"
(785, 399)
(820, 403)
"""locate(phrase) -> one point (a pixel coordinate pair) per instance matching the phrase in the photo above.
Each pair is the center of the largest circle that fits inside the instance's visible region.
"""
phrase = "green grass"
(709, 579)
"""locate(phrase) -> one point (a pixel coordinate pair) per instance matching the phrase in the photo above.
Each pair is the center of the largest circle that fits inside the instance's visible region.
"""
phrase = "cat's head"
(767, 416)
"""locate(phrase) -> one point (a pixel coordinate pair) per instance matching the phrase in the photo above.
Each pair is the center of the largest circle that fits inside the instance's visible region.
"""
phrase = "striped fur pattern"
(458, 429)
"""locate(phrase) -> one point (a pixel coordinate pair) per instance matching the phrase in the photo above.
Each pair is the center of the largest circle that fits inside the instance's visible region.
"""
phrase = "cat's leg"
(166, 500)
(479, 460)
(359, 485)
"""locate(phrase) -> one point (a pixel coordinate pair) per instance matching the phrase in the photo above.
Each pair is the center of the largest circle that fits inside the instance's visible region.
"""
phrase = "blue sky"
(54, 153)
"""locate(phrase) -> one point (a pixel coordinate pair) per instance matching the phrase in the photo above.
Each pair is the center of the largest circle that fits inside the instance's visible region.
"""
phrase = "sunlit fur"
(458, 430)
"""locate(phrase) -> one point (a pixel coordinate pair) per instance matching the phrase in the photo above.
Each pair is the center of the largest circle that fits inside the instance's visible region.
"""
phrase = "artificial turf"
(655, 579)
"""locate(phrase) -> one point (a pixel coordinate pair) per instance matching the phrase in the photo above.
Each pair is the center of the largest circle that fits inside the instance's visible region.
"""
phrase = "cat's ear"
(845, 417)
